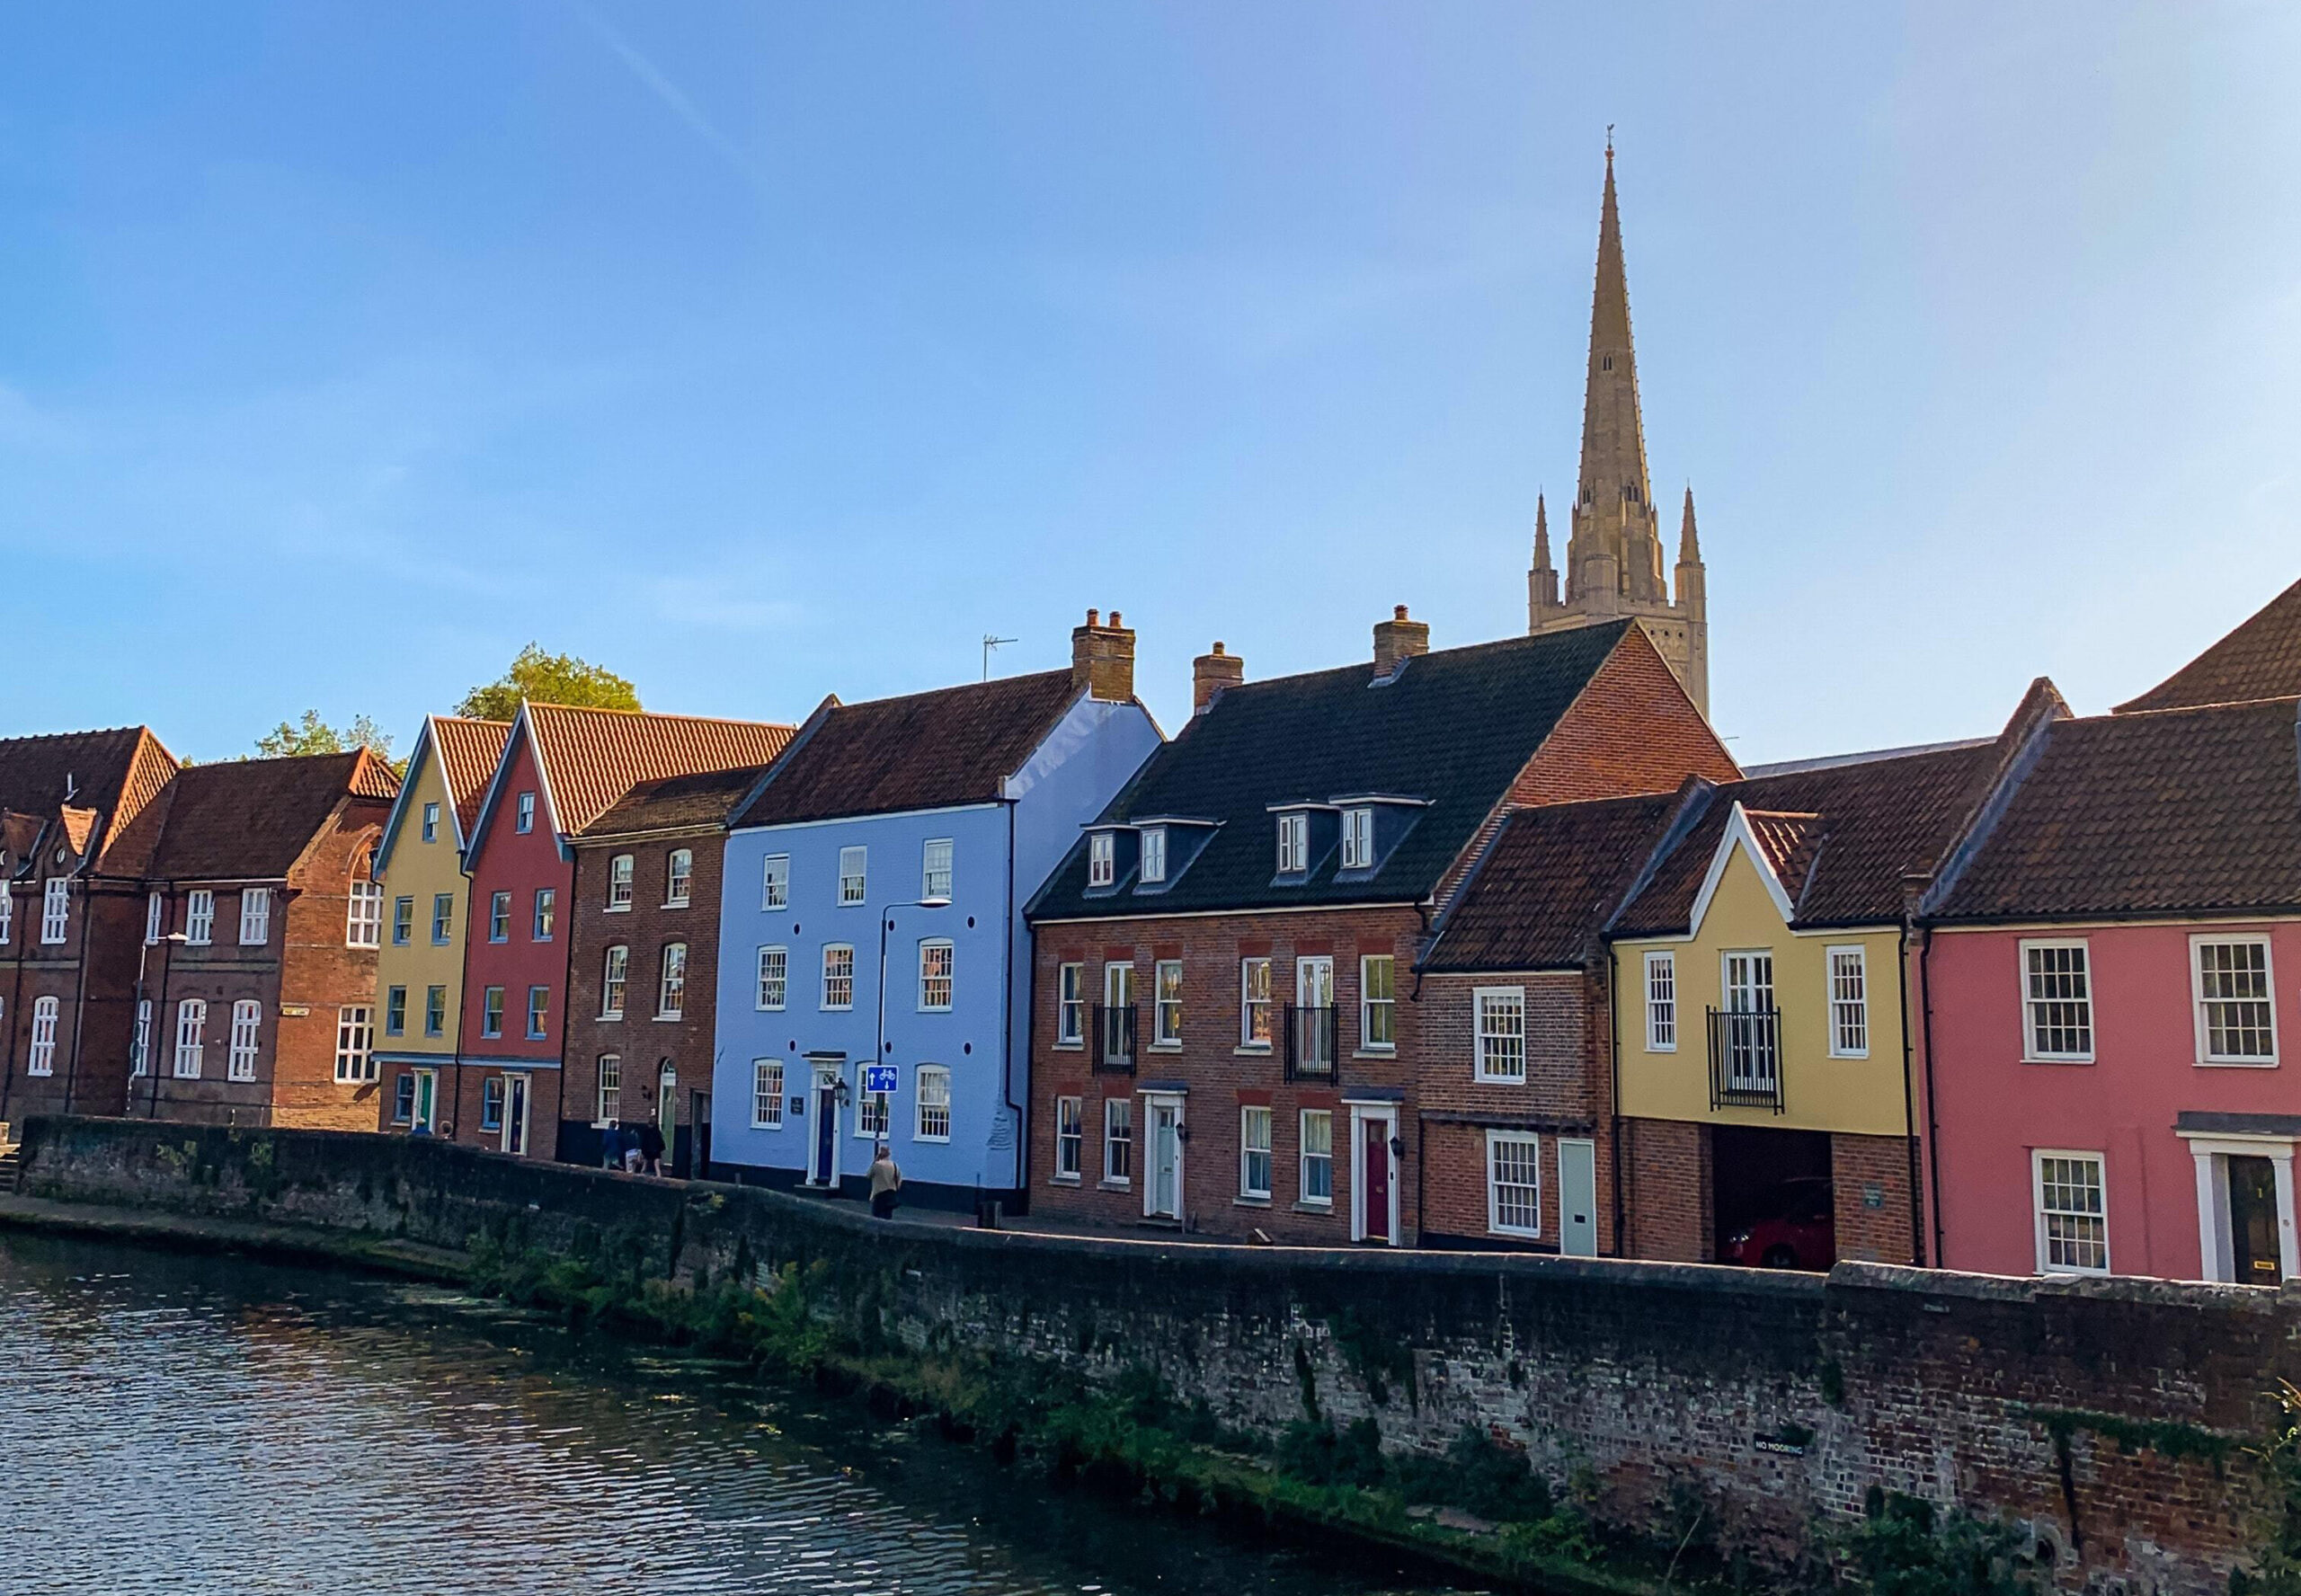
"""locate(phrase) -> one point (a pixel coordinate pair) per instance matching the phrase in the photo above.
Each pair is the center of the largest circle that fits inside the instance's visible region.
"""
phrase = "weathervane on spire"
(1610, 141)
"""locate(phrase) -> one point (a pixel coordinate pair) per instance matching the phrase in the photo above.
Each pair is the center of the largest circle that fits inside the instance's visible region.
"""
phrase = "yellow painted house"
(1764, 1047)
(419, 969)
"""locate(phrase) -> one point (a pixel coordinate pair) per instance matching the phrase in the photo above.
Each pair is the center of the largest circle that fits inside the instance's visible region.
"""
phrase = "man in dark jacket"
(651, 1147)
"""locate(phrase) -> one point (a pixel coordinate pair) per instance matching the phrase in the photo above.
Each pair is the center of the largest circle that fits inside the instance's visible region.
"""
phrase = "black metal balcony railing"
(1112, 1053)
(1309, 1043)
(1746, 1059)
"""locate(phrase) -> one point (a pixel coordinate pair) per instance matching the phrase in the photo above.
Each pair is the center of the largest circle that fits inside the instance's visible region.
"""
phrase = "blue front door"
(820, 1168)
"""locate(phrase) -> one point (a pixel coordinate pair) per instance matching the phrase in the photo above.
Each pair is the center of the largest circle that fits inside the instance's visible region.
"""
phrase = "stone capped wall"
(2107, 1415)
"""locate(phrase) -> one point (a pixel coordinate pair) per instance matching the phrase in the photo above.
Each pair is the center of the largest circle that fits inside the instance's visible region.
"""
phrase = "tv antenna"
(991, 641)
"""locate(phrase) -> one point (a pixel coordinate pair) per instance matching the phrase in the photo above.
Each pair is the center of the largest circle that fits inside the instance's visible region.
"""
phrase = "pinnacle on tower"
(1542, 535)
(1689, 543)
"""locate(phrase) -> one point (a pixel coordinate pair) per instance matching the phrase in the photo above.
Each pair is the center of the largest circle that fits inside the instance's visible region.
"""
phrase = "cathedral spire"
(1542, 535)
(1689, 543)
(1614, 436)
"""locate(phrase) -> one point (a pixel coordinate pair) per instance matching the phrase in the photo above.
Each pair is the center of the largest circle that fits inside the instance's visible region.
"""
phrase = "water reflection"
(187, 1423)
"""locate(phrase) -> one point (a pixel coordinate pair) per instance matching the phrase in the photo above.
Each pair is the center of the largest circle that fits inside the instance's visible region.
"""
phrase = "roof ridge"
(2130, 716)
(648, 715)
(1366, 666)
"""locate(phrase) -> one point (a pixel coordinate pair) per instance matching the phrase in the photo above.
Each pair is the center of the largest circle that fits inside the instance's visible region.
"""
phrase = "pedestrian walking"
(651, 1147)
(887, 1180)
(627, 1138)
(611, 1146)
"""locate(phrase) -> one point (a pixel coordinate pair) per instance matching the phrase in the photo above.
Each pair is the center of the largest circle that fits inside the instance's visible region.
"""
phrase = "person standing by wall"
(887, 1180)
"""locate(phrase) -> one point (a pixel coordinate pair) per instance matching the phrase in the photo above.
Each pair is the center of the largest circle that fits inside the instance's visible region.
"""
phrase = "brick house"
(1513, 1002)
(562, 768)
(1220, 1039)
(643, 965)
(261, 927)
(77, 813)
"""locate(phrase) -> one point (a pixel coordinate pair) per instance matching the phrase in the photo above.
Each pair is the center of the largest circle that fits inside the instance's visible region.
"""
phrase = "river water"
(189, 1423)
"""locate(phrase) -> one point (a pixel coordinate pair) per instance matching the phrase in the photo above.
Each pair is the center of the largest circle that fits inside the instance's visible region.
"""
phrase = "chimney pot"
(1396, 641)
(1113, 618)
(1210, 674)
(1094, 615)
(1102, 659)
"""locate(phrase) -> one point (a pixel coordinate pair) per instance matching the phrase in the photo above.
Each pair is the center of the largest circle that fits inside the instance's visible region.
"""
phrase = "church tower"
(1613, 550)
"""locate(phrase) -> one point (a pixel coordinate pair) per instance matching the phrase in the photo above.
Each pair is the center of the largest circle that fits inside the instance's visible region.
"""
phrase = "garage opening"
(1770, 1197)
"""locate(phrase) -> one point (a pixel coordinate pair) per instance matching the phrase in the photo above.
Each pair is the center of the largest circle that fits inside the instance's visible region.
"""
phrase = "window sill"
(1864, 1053)
(668, 1019)
(1514, 1233)
(1166, 1047)
(2070, 1058)
(677, 902)
(1250, 1203)
(615, 909)
(1378, 1052)
(764, 1009)
(2236, 1063)
(1122, 1184)
(932, 1011)
(1061, 1180)
(756, 1126)
(611, 1014)
(1498, 1080)
(1311, 1205)
(1251, 1050)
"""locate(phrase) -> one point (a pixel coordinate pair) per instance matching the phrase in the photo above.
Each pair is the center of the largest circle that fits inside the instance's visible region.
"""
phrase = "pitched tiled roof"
(2261, 659)
(593, 757)
(115, 772)
(1453, 728)
(2162, 812)
(923, 750)
(1551, 879)
(250, 820)
(1841, 838)
(468, 752)
(676, 802)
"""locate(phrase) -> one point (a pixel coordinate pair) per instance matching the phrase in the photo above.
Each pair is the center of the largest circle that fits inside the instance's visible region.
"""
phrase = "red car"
(1799, 1229)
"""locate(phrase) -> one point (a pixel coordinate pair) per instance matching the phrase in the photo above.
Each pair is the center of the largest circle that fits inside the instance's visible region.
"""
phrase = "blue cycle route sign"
(880, 1077)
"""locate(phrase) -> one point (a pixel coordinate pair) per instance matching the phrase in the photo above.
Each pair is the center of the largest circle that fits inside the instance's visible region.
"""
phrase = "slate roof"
(675, 803)
(923, 750)
(115, 772)
(1841, 838)
(1453, 727)
(2261, 659)
(250, 820)
(2161, 811)
(1551, 880)
(593, 757)
(469, 751)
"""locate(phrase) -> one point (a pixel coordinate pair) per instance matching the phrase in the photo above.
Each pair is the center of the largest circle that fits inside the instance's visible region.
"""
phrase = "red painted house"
(562, 769)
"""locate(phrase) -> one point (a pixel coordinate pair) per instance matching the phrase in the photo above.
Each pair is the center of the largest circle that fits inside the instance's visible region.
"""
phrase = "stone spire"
(1689, 543)
(1541, 581)
(1614, 436)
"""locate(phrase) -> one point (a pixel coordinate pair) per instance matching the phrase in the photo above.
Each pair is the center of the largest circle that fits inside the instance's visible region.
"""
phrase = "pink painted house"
(2110, 982)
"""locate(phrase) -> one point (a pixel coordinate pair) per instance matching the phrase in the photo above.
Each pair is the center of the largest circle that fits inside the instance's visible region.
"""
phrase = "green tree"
(312, 735)
(548, 678)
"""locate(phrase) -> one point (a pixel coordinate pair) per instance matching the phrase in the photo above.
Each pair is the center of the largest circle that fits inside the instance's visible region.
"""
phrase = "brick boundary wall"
(1776, 1401)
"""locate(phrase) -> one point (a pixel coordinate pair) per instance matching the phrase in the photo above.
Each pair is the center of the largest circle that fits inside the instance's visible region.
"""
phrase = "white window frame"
(199, 917)
(2206, 1058)
(1498, 1000)
(55, 910)
(1102, 858)
(774, 966)
(1305, 1158)
(431, 822)
(526, 813)
(8, 914)
(2030, 1052)
(607, 1090)
(1841, 1007)
(363, 916)
(46, 1012)
(937, 990)
(1070, 1006)
(191, 1027)
(824, 997)
(766, 1106)
(928, 1081)
(1118, 1132)
(1359, 838)
(1070, 1140)
(1533, 1144)
(256, 916)
(854, 876)
(1293, 843)
(1250, 1116)
(1661, 1001)
(1369, 1004)
(1152, 862)
(937, 858)
(139, 1047)
(678, 877)
(671, 985)
(774, 882)
(355, 1043)
(156, 907)
(2038, 1210)
(622, 869)
(247, 1041)
(1248, 1002)
(1164, 1008)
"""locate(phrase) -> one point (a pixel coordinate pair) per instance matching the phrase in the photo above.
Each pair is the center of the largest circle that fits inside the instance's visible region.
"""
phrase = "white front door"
(1752, 1055)
(1162, 1196)
(1578, 1198)
(515, 1112)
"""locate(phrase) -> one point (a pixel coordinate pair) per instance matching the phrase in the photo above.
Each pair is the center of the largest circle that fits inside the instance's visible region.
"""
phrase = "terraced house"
(562, 768)
(427, 904)
(1224, 1037)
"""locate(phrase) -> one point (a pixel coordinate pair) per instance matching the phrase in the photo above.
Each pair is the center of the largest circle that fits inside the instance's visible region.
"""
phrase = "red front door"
(1376, 1173)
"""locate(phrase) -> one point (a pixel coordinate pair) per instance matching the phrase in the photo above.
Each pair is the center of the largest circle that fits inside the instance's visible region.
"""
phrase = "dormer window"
(1154, 852)
(1357, 838)
(1293, 843)
(1102, 859)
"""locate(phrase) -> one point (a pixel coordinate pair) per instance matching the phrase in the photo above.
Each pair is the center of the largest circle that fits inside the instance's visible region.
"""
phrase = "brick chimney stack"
(1102, 659)
(1398, 640)
(1210, 673)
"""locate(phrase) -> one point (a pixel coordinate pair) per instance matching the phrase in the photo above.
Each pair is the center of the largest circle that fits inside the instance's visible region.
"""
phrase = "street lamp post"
(879, 1052)
(174, 939)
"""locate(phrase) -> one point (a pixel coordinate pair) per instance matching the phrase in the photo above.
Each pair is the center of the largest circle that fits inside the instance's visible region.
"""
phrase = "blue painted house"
(875, 968)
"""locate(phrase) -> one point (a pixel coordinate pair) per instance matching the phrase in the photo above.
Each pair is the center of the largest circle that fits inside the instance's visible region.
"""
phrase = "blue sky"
(761, 351)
